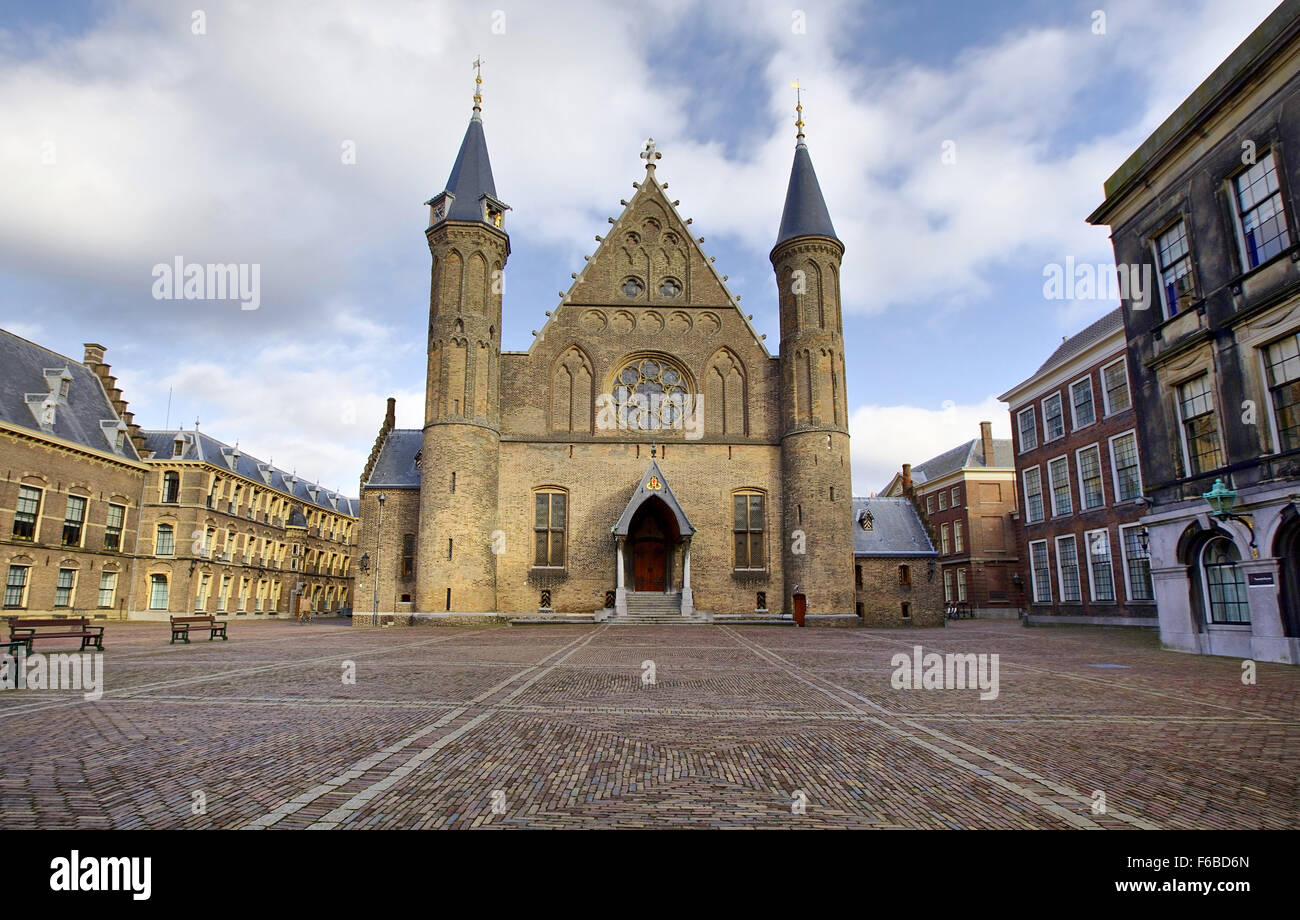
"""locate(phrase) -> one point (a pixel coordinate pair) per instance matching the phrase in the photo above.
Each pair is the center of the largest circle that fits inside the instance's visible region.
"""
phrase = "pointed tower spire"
(471, 193)
(805, 211)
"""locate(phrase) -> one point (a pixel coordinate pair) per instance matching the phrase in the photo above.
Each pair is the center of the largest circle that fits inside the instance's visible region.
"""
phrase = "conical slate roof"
(805, 211)
(471, 177)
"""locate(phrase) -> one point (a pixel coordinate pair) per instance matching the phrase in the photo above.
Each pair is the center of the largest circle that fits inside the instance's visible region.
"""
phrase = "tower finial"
(798, 111)
(478, 84)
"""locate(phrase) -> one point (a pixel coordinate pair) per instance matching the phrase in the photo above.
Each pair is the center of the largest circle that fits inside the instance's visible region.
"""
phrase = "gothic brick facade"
(648, 443)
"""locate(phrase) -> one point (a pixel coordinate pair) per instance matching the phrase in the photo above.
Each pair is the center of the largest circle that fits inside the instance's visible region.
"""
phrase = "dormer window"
(178, 446)
(494, 211)
(439, 207)
(64, 384)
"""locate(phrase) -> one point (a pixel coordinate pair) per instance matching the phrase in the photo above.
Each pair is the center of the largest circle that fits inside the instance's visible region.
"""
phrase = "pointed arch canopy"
(653, 487)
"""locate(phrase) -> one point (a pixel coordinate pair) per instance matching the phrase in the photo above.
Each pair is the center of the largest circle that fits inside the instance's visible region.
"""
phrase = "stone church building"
(647, 455)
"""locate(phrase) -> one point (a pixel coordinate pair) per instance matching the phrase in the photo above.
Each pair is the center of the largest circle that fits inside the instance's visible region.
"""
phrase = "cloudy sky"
(960, 146)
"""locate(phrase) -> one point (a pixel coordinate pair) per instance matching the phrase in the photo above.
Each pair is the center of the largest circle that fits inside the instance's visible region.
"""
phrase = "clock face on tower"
(440, 210)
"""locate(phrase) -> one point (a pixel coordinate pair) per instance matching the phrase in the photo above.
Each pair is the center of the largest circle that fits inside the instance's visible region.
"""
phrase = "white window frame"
(1043, 404)
(957, 543)
(1074, 419)
(1114, 467)
(1025, 486)
(1182, 422)
(1020, 439)
(947, 586)
(1051, 488)
(1101, 475)
(961, 586)
(943, 539)
(1105, 393)
(1092, 585)
(1235, 202)
(943, 499)
(1128, 584)
(953, 501)
(1060, 570)
(1154, 245)
(72, 588)
(929, 503)
(112, 591)
(1033, 573)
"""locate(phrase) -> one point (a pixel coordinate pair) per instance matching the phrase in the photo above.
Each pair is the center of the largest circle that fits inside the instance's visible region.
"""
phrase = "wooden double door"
(650, 540)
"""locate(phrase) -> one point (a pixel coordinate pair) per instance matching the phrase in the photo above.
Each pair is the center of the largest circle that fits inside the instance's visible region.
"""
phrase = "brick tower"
(456, 568)
(817, 543)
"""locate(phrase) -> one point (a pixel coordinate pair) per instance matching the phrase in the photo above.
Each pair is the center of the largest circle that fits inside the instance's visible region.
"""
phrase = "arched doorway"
(651, 538)
(1287, 549)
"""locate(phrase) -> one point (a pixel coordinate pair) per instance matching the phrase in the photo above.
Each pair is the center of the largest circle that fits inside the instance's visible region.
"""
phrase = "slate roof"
(896, 529)
(204, 447)
(76, 418)
(395, 466)
(963, 456)
(471, 176)
(805, 212)
(643, 494)
(1080, 341)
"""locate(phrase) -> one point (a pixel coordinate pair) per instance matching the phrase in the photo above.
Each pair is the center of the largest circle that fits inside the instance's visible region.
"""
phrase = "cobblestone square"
(555, 726)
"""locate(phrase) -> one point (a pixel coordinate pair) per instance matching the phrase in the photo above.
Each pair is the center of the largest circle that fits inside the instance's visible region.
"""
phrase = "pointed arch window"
(550, 528)
(749, 516)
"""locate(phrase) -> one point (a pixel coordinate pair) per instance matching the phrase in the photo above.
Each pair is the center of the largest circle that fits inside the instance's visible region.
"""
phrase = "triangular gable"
(653, 485)
(651, 243)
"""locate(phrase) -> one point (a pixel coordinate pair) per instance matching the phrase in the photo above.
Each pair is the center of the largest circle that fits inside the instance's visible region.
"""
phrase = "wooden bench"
(27, 631)
(181, 627)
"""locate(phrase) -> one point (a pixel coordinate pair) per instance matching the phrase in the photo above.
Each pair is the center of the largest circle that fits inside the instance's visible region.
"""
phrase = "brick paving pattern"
(554, 727)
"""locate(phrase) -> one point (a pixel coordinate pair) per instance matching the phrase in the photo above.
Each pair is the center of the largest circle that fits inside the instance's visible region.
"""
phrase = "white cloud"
(883, 438)
(226, 147)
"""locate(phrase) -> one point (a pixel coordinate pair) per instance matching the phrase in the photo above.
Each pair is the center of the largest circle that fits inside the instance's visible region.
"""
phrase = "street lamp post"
(379, 529)
(1221, 500)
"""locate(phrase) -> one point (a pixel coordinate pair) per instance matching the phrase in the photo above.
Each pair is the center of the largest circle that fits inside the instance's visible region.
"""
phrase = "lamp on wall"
(1222, 500)
(363, 564)
(930, 566)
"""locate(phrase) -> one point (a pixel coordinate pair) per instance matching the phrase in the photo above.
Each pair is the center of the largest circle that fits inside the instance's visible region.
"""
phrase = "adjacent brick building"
(224, 532)
(1206, 210)
(99, 517)
(1075, 436)
(72, 489)
(895, 565)
(966, 497)
(648, 449)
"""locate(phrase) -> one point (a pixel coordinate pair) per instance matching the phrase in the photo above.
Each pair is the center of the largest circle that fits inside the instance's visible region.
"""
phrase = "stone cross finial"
(649, 154)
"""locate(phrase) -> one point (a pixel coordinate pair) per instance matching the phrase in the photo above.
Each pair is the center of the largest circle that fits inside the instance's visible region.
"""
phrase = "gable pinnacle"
(650, 154)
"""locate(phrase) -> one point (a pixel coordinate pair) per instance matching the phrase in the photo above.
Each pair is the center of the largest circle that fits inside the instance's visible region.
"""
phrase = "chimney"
(986, 442)
(907, 478)
(94, 355)
(390, 417)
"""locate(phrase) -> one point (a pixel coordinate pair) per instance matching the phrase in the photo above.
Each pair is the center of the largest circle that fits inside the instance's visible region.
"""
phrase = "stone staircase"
(656, 609)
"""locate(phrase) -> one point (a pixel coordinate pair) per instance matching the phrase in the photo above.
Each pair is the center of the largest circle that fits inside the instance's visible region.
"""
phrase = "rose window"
(653, 393)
